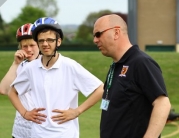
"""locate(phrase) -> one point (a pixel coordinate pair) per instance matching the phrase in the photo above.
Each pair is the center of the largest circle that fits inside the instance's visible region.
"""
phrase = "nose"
(95, 40)
(29, 48)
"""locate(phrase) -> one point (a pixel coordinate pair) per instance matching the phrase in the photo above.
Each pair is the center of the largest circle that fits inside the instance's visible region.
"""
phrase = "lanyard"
(109, 79)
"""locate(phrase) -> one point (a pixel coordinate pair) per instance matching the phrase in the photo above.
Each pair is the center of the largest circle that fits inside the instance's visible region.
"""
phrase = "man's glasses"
(98, 34)
(48, 40)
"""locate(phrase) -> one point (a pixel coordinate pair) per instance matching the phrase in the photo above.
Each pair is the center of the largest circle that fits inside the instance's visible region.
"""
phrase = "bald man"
(135, 102)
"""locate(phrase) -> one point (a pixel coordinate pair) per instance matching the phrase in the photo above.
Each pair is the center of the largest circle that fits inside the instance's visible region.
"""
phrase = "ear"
(59, 42)
(117, 33)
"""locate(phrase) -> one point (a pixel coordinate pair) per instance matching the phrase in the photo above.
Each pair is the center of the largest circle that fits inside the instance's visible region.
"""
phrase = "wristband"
(24, 113)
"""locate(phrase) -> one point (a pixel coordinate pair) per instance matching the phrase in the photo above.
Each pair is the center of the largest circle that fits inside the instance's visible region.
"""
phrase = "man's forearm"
(158, 118)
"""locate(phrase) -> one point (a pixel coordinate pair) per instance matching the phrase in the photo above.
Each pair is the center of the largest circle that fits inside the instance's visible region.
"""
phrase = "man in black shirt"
(135, 102)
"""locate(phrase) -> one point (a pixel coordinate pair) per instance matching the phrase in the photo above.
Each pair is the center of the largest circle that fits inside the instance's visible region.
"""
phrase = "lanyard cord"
(109, 79)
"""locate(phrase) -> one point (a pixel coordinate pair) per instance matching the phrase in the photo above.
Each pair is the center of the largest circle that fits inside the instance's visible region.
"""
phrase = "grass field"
(98, 65)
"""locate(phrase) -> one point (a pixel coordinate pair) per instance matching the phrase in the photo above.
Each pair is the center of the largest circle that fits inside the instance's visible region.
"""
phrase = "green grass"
(97, 64)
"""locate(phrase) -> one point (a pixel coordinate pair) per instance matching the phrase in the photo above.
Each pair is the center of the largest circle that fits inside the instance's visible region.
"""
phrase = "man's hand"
(35, 116)
(65, 115)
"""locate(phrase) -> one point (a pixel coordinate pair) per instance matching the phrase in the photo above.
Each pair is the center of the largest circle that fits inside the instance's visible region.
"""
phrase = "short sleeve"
(85, 81)
(21, 83)
(149, 78)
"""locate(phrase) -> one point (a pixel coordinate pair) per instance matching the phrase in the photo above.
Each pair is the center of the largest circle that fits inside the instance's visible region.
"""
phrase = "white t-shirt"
(22, 127)
(56, 88)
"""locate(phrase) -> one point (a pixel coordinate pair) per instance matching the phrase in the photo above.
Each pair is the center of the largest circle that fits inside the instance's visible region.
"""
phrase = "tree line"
(35, 9)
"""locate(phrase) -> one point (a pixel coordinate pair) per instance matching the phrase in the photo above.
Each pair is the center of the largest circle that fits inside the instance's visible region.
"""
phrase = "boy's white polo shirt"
(56, 88)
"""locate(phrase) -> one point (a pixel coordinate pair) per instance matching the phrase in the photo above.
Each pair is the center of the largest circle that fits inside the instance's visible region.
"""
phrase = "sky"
(70, 11)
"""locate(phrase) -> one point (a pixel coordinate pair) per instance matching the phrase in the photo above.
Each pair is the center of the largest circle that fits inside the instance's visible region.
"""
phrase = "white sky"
(70, 11)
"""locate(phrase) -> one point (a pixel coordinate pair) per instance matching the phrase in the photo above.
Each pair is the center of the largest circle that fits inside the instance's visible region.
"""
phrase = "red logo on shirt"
(124, 71)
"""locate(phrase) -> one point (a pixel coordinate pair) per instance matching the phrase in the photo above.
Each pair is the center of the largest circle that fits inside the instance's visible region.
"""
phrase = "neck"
(120, 52)
(45, 59)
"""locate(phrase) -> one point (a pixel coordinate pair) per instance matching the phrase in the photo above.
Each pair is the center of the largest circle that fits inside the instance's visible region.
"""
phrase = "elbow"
(10, 92)
(2, 91)
(101, 90)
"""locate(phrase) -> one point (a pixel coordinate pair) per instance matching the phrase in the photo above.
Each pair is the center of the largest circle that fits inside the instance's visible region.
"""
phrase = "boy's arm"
(11, 74)
(33, 115)
(92, 100)
(13, 96)
(8, 79)
(66, 115)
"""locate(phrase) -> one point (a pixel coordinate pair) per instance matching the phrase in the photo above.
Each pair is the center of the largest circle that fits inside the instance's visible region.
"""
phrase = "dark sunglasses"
(98, 34)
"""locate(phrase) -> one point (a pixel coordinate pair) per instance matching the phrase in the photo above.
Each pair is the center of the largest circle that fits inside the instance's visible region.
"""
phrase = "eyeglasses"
(98, 34)
(48, 40)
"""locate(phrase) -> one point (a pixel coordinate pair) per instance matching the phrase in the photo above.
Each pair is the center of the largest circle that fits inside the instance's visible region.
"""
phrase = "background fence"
(63, 47)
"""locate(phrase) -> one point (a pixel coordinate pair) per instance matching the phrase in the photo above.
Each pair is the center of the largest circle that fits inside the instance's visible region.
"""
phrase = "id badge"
(104, 104)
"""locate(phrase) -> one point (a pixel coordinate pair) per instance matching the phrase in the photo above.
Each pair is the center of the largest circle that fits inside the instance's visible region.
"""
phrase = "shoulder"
(139, 59)
(31, 65)
(22, 65)
(142, 57)
(71, 64)
(146, 59)
(68, 61)
(145, 63)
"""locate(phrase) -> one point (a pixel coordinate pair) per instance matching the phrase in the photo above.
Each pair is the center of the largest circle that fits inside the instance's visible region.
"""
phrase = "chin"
(104, 53)
(48, 55)
(30, 59)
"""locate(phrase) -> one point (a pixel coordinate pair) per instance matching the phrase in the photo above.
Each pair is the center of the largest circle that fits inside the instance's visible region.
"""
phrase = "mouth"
(30, 56)
(99, 47)
(45, 49)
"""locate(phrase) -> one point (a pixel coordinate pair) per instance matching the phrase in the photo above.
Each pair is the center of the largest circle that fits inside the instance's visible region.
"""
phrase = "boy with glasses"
(55, 81)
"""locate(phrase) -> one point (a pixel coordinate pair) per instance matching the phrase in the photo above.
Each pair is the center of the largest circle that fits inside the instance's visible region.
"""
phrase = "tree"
(49, 6)
(28, 15)
(92, 17)
(1, 23)
(84, 33)
(3, 36)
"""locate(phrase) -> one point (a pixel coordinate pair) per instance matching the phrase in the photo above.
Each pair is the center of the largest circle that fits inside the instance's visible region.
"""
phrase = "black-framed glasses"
(48, 40)
(98, 34)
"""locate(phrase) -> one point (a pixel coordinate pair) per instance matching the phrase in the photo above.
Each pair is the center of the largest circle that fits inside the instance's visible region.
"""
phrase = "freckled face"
(30, 47)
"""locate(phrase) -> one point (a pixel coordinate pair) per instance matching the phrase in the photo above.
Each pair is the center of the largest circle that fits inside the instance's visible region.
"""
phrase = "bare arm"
(32, 115)
(13, 96)
(92, 100)
(8, 79)
(160, 112)
(66, 115)
(11, 74)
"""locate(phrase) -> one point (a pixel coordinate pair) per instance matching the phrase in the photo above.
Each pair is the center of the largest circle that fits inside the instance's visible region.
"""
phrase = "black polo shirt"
(137, 82)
